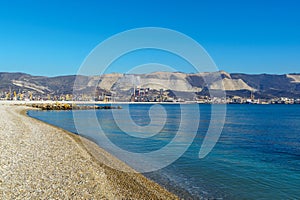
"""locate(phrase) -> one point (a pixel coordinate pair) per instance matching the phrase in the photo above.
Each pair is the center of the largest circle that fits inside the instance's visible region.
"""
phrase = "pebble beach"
(40, 161)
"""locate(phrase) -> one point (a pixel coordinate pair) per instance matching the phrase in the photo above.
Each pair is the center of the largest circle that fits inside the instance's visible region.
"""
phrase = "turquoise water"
(256, 157)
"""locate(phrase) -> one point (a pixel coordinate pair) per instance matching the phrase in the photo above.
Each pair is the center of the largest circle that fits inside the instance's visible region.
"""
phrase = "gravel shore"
(40, 161)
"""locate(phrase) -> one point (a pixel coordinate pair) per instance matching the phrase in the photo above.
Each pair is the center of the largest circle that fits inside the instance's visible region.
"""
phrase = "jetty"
(69, 106)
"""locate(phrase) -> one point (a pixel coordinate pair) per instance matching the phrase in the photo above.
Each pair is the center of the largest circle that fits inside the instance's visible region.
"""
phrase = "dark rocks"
(66, 106)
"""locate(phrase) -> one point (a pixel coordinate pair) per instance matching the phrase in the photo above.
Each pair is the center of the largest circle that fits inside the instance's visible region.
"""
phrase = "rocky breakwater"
(67, 106)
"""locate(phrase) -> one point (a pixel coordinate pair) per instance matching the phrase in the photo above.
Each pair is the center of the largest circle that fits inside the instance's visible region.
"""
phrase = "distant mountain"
(36, 84)
(188, 85)
(268, 85)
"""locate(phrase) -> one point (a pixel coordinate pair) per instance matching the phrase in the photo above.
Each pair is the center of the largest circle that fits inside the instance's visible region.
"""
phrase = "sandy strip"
(40, 161)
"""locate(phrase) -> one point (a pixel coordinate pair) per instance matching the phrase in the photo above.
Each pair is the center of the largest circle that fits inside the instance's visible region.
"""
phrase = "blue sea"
(256, 157)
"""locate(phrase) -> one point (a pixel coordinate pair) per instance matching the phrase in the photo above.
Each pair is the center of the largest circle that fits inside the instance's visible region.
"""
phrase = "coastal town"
(145, 95)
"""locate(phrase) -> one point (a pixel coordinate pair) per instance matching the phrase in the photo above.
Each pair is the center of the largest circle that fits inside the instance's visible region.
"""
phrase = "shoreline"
(106, 183)
(18, 102)
(12, 102)
(162, 181)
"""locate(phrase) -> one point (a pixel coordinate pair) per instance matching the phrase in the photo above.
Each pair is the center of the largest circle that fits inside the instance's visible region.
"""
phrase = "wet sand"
(40, 161)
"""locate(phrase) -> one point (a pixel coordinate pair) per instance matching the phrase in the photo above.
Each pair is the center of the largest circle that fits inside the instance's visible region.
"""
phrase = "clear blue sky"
(53, 37)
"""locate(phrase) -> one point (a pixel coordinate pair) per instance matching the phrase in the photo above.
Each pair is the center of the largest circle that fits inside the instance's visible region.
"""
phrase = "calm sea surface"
(256, 157)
